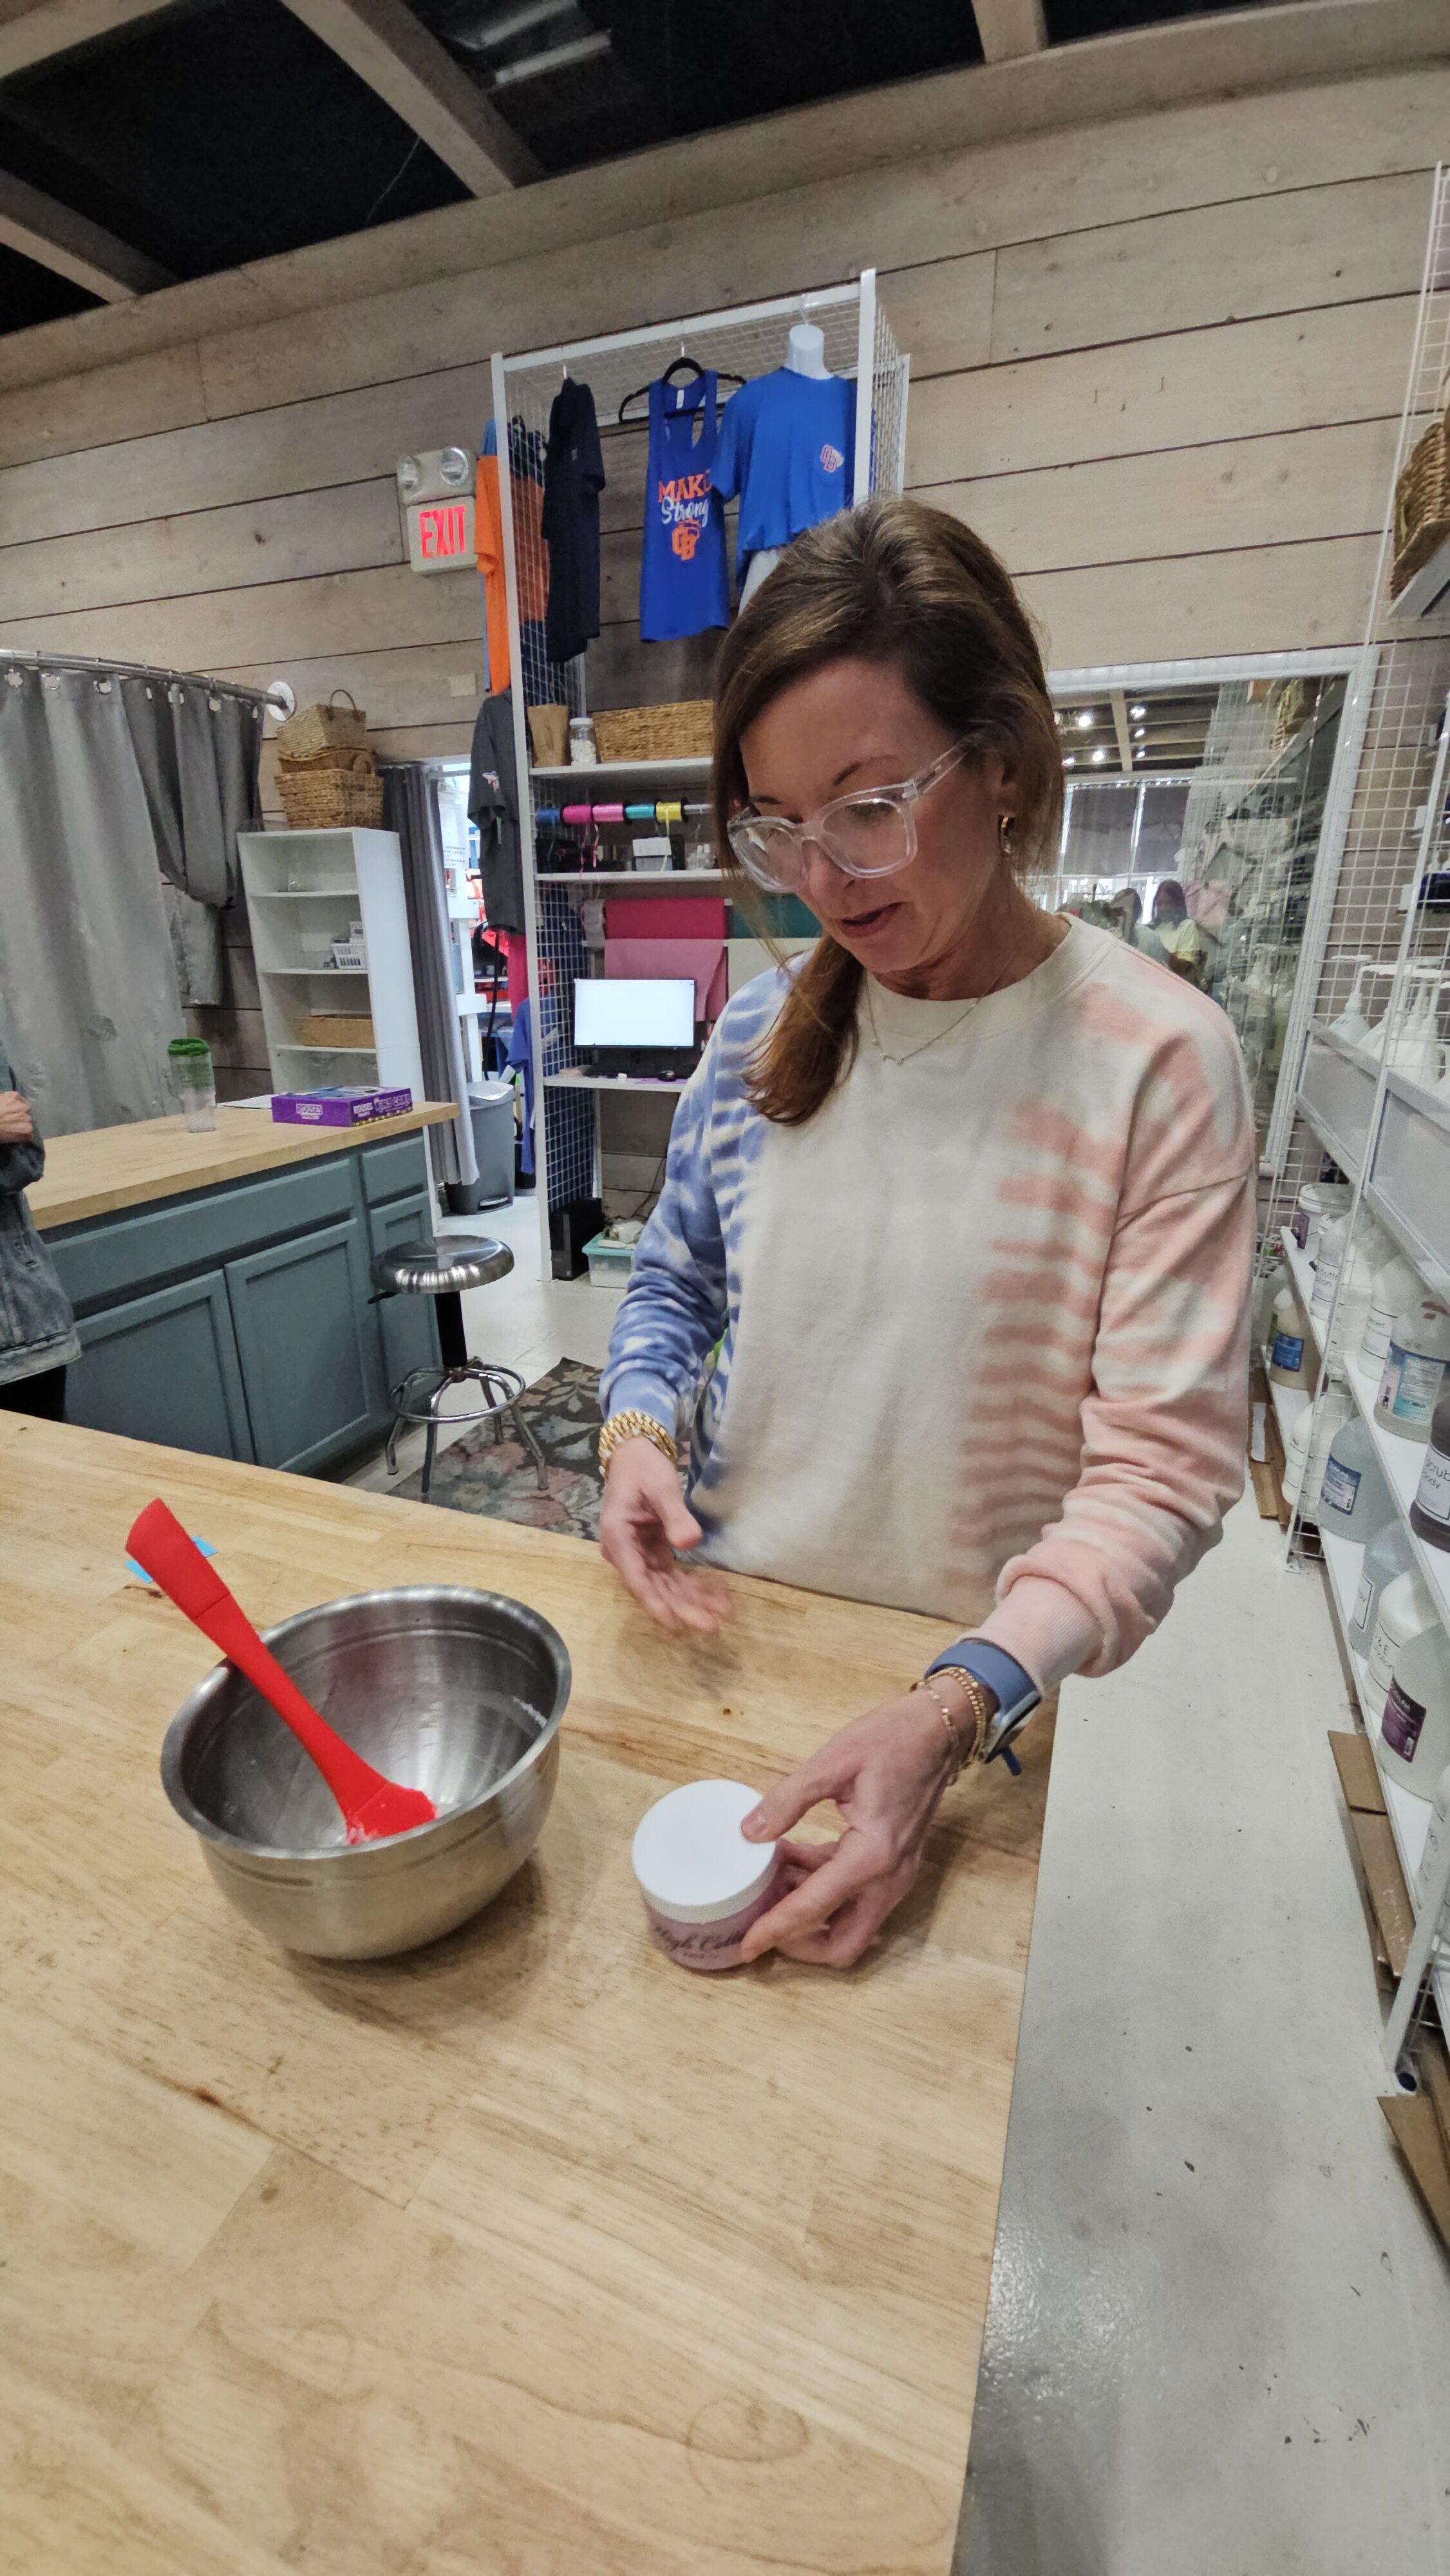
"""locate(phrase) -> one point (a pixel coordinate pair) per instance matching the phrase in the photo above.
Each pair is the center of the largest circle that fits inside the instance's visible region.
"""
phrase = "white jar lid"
(690, 1857)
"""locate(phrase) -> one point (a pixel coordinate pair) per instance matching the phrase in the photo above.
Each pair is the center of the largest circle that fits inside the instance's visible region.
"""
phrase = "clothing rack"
(92, 665)
(749, 340)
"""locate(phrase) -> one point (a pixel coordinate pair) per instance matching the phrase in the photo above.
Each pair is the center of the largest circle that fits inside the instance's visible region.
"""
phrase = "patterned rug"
(496, 1475)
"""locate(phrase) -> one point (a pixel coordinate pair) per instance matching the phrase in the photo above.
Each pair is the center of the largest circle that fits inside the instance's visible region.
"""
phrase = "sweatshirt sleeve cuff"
(640, 1391)
(1045, 1628)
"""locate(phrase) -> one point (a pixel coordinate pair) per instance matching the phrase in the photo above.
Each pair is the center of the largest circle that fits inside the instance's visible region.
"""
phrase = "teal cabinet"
(164, 1367)
(240, 1321)
(309, 1345)
(409, 1324)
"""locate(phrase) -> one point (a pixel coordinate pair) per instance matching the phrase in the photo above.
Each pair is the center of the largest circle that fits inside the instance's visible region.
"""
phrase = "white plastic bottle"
(1309, 1445)
(1415, 1728)
(1385, 1558)
(1267, 1289)
(1432, 1858)
(1405, 1611)
(1395, 1284)
(1414, 1369)
(1351, 1025)
(1333, 1240)
(1289, 1360)
(1366, 1255)
(1354, 1500)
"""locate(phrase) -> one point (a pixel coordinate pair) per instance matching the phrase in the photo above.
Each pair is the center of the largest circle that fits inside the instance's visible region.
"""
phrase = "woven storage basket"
(340, 793)
(1422, 504)
(318, 729)
(335, 1029)
(684, 730)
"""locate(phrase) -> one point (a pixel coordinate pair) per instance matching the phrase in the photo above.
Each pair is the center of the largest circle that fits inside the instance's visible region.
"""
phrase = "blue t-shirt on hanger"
(684, 582)
(786, 445)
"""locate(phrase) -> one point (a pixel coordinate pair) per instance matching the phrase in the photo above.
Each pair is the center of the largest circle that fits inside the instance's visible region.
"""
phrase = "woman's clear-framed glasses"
(870, 833)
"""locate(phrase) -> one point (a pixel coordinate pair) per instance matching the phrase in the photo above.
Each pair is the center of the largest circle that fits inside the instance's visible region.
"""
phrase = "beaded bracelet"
(634, 1426)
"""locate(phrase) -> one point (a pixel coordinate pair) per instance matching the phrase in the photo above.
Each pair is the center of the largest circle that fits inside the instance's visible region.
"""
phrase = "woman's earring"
(1006, 829)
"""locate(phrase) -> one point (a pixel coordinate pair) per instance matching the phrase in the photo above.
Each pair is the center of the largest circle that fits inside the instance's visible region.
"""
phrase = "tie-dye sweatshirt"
(982, 1323)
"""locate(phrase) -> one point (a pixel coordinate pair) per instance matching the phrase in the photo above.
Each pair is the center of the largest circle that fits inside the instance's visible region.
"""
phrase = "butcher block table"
(528, 2254)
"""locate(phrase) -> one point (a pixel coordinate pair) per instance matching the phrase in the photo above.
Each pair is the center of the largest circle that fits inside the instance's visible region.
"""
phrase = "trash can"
(491, 1108)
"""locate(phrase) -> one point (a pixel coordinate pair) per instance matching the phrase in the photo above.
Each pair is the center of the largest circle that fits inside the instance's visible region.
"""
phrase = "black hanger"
(684, 371)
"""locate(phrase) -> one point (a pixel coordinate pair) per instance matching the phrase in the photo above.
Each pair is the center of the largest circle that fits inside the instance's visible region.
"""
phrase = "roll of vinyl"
(608, 813)
(639, 813)
(549, 814)
(578, 813)
(669, 813)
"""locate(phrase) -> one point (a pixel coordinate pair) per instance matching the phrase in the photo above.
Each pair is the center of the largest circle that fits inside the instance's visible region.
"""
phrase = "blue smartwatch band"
(1015, 1690)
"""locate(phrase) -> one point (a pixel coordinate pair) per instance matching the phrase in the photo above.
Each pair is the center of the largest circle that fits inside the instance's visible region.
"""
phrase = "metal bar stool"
(442, 1271)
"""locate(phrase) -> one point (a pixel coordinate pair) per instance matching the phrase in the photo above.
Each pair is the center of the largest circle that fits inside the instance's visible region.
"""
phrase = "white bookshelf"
(304, 890)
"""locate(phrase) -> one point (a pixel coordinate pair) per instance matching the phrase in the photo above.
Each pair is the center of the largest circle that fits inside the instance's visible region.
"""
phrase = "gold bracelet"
(634, 1426)
(966, 1754)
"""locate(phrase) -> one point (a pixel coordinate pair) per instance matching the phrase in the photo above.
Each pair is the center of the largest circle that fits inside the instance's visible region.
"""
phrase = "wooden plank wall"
(1157, 363)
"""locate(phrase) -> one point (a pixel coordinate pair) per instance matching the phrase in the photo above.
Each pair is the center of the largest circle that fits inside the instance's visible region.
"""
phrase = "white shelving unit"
(746, 340)
(304, 890)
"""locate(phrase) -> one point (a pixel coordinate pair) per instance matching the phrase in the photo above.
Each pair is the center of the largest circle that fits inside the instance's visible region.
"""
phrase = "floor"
(1219, 2338)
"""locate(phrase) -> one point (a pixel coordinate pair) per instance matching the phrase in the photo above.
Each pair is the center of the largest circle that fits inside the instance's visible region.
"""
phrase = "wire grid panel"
(750, 342)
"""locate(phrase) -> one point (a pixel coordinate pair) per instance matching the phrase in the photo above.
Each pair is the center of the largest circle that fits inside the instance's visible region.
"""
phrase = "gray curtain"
(410, 808)
(104, 794)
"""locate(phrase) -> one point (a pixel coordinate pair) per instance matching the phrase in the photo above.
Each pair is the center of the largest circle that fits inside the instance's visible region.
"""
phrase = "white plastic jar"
(703, 1884)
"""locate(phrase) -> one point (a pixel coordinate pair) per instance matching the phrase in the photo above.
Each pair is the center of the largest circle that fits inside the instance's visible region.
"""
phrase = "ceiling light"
(1084, 719)
(1102, 752)
(1137, 711)
(1140, 733)
(1071, 761)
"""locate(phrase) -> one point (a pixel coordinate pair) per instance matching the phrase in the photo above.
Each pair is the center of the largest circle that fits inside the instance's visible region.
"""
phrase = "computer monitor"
(640, 1024)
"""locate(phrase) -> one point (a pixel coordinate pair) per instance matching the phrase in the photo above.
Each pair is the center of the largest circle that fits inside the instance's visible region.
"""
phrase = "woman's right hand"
(645, 1518)
(17, 1127)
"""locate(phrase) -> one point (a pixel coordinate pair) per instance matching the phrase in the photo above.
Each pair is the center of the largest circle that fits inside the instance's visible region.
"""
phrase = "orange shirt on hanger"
(488, 545)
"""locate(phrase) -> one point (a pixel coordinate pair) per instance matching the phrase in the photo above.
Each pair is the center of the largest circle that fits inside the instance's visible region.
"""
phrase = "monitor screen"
(614, 1011)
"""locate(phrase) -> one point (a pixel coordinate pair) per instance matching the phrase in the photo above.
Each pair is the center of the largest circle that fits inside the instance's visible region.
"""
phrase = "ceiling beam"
(394, 53)
(60, 239)
(31, 31)
(1119, 705)
(1009, 28)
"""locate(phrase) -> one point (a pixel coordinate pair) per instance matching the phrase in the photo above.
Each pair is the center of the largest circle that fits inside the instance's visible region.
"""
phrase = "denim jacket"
(37, 1329)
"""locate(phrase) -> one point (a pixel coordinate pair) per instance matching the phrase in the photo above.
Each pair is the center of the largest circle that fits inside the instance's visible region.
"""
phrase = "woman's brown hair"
(890, 581)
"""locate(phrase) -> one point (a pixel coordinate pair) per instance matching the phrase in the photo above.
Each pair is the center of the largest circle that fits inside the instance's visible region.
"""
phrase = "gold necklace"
(941, 1034)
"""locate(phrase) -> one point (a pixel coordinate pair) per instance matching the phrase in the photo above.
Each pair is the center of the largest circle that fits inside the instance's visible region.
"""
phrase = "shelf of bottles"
(1363, 1278)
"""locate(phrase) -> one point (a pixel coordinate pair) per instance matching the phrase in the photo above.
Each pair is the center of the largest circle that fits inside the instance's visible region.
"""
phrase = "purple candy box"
(340, 1108)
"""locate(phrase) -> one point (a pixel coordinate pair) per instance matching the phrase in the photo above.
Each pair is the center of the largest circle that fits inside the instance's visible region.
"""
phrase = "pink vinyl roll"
(608, 813)
(578, 813)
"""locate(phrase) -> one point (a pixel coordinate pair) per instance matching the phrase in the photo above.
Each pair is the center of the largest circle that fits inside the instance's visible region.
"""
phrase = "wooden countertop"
(157, 1158)
(532, 2251)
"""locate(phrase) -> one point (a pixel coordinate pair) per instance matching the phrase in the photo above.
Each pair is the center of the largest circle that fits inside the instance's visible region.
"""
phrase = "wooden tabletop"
(106, 1168)
(531, 2254)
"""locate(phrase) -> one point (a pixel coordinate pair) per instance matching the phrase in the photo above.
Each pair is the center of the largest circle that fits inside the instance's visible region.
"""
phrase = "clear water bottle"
(188, 1061)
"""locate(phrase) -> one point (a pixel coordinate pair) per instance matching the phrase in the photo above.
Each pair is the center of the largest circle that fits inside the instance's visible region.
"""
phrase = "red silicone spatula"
(371, 1805)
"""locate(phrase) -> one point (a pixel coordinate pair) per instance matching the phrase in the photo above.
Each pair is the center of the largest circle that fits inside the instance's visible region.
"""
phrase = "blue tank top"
(684, 583)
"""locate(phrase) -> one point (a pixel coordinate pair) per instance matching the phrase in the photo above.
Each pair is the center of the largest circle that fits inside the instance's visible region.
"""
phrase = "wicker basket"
(335, 1029)
(340, 791)
(684, 730)
(1422, 504)
(322, 729)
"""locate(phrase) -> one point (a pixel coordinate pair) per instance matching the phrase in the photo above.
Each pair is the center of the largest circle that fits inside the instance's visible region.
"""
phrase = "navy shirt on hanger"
(573, 481)
(684, 583)
(786, 445)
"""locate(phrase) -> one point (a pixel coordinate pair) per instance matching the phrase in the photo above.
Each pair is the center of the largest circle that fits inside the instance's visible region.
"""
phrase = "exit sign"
(440, 534)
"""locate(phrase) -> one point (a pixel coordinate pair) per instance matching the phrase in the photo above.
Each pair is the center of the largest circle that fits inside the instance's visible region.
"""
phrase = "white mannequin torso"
(805, 353)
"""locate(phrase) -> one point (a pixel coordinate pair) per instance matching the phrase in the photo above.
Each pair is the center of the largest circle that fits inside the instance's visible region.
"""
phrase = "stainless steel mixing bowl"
(456, 1692)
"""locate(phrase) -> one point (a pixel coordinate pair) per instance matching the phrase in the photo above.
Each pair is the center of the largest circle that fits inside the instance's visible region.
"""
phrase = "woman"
(1179, 937)
(966, 1203)
(37, 1330)
(1125, 916)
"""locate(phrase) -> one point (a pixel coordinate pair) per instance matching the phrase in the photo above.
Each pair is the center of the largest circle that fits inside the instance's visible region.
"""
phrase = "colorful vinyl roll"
(639, 813)
(669, 813)
(578, 813)
(548, 814)
(608, 813)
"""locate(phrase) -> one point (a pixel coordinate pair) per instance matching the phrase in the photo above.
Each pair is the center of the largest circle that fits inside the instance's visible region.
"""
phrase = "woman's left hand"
(885, 1772)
